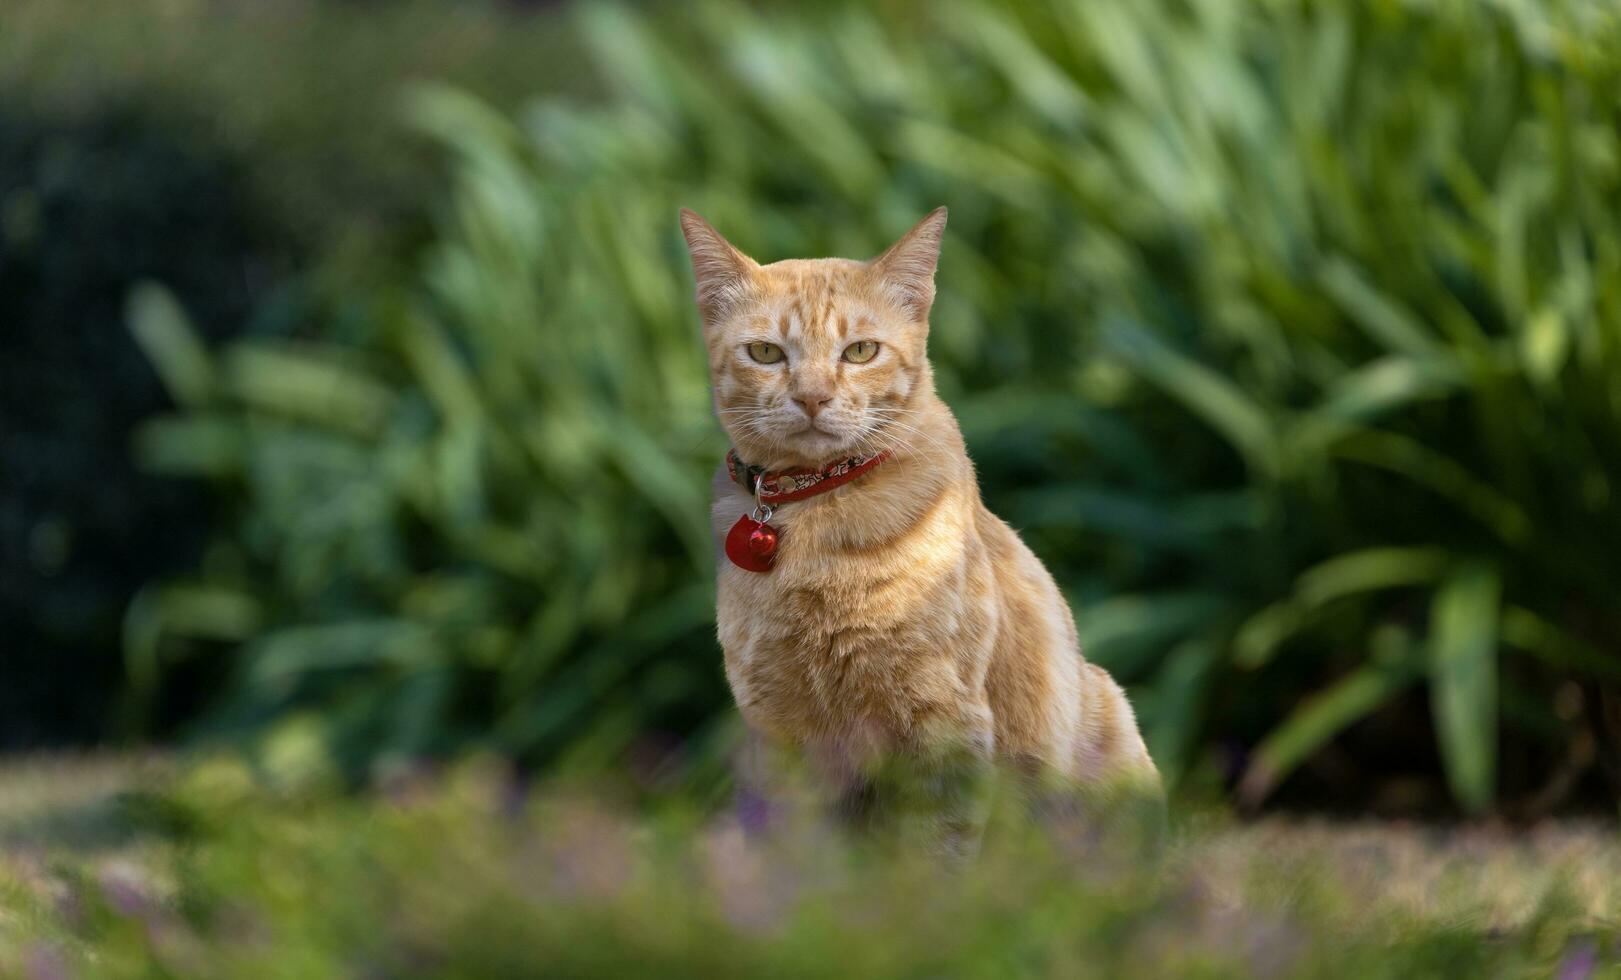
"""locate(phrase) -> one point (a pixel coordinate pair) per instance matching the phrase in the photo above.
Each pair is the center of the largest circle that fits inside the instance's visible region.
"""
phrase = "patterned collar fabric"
(782, 488)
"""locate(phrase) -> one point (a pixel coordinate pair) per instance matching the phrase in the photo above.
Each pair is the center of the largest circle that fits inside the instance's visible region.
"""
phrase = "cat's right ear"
(722, 272)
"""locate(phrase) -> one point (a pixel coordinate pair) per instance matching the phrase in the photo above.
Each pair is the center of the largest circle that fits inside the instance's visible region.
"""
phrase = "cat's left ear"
(906, 269)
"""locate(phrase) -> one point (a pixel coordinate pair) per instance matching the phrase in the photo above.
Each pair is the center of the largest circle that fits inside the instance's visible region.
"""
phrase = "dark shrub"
(86, 210)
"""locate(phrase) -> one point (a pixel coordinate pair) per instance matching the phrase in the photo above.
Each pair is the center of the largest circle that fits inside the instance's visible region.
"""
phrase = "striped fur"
(900, 614)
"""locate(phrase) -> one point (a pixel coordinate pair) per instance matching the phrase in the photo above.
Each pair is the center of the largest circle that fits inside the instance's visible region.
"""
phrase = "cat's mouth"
(813, 431)
(822, 437)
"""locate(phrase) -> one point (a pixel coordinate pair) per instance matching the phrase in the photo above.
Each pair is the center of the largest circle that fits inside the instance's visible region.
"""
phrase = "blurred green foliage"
(1288, 333)
(247, 156)
(305, 89)
(209, 876)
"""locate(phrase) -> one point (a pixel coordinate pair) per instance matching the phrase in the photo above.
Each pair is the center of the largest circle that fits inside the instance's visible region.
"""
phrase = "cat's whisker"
(906, 428)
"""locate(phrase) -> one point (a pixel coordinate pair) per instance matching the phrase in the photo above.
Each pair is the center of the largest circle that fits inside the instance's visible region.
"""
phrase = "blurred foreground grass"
(202, 872)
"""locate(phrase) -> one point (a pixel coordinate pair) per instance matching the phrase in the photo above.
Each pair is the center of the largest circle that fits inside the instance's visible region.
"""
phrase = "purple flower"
(46, 963)
(1579, 962)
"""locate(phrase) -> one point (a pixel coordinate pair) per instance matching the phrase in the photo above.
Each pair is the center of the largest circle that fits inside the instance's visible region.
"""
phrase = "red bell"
(763, 541)
(751, 545)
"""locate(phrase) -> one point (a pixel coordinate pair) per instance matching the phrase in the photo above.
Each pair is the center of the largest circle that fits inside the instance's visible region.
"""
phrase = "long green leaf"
(166, 337)
(1172, 716)
(1125, 633)
(1463, 681)
(1368, 570)
(1317, 720)
(1213, 398)
(1385, 320)
(1527, 631)
(1343, 576)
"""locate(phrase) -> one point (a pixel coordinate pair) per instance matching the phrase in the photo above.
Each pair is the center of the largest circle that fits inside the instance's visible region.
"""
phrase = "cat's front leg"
(758, 792)
(948, 760)
(781, 782)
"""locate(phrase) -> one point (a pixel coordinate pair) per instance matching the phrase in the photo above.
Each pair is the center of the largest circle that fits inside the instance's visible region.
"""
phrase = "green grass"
(204, 871)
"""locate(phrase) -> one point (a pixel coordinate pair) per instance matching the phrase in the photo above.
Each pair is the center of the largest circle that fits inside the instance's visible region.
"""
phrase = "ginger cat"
(897, 615)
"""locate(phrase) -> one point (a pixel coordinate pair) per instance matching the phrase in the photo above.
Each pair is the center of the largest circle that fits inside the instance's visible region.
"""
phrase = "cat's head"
(813, 359)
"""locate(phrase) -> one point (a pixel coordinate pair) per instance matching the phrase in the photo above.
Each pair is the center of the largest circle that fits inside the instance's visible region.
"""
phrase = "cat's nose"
(813, 402)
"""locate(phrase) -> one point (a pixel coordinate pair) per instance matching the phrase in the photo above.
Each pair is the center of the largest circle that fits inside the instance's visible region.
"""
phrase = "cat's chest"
(848, 569)
(825, 654)
(828, 597)
(875, 602)
(811, 588)
(810, 654)
(824, 574)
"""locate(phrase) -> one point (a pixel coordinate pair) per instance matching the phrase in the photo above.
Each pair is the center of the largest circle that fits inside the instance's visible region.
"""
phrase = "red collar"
(782, 488)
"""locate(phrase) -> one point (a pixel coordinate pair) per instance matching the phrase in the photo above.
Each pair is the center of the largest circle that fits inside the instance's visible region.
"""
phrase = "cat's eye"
(765, 353)
(861, 351)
